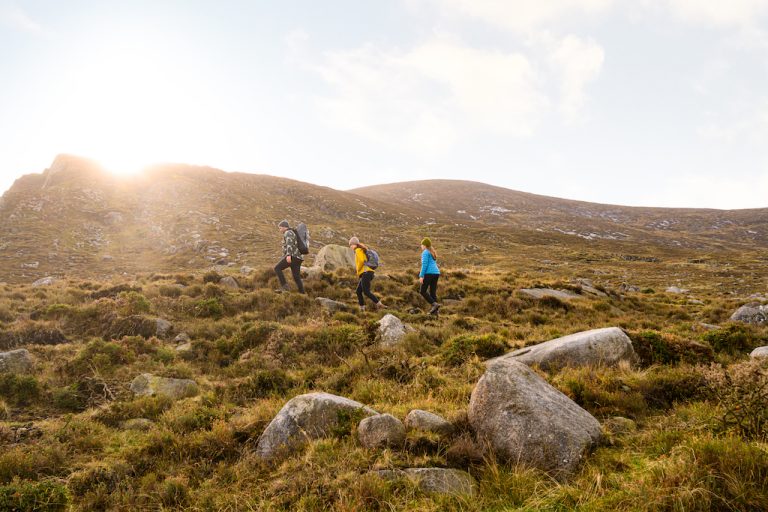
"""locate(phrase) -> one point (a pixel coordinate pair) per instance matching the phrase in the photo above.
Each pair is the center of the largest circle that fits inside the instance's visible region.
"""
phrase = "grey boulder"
(526, 421)
(332, 257)
(229, 282)
(752, 313)
(759, 352)
(540, 293)
(332, 305)
(434, 480)
(598, 347)
(382, 430)
(428, 422)
(392, 330)
(147, 384)
(303, 418)
(162, 327)
(45, 281)
(16, 361)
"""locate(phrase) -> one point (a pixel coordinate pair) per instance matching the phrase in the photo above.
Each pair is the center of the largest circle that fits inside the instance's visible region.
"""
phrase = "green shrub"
(262, 384)
(460, 348)
(133, 303)
(100, 356)
(741, 390)
(212, 277)
(20, 390)
(208, 308)
(34, 496)
(150, 407)
(655, 348)
(170, 291)
(663, 386)
(733, 339)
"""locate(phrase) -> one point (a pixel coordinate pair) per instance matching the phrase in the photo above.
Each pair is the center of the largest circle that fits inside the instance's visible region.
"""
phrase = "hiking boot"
(435, 309)
(380, 305)
(362, 309)
(284, 288)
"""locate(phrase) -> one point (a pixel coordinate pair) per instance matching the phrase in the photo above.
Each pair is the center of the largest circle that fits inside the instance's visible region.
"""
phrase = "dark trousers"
(295, 266)
(364, 288)
(429, 287)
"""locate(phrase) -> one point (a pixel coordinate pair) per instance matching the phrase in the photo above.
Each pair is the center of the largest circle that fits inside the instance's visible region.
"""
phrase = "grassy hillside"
(699, 441)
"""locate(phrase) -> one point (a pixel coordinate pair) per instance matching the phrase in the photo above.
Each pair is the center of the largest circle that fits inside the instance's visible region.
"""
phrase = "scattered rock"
(627, 288)
(759, 352)
(392, 330)
(16, 361)
(306, 417)
(382, 430)
(229, 282)
(525, 420)
(696, 302)
(45, 281)
(332, 257)
(676, 290)
(540, 293)
(245, 269)
(428, 422)
(182, 337)
(752, 313)
(435, 480)
(32, 264)
(184, 347)
(619, 425)
(332, 305)
(706, 327)
(147, 384)
(588, 287)
(162, 327)
(599, 347)
(107, 257)
(138, 424)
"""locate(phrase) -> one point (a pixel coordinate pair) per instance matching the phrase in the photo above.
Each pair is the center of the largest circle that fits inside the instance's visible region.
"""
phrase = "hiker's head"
(354, 242)
(426, 243)
(283, 226)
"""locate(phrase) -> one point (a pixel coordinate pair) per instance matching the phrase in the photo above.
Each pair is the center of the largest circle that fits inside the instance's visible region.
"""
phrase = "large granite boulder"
(306, 417)
(147, 384)
(526, 421)
(332, 257)
(434, 480)
(16, 361)
(162, 327)
(392, 330)
(606, 347)
(428, 422)
(45, 281)
(752, 313)
(381, 431)
(759, 352)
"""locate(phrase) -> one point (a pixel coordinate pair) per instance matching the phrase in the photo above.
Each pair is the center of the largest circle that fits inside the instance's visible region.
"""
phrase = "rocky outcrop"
(540, 293)
(752, 313)
(428, 422)
(381, 431)
(150, 385)
(524, 420)
(45, 281)
(332, 257)
(392, 330)
(598, 347)
(306, 417)
(16, 361)
(435, 480)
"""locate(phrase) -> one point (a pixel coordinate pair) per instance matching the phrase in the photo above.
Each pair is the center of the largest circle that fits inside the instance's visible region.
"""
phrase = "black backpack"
(302, 238)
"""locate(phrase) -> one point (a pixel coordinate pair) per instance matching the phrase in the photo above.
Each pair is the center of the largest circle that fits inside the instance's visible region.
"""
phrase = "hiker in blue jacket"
(429, 275)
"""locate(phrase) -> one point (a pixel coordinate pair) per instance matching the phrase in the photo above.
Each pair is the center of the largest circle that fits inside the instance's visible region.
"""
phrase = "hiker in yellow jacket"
(365, 274)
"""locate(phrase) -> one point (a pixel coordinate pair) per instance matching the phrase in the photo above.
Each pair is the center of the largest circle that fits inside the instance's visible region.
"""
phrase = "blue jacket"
(428, 264)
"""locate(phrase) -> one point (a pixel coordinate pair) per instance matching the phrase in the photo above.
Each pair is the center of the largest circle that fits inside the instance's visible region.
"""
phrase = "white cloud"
(15, 17)
(520, 15)
(719, 12)
(578, 62)
(726, 192)
(426, 97)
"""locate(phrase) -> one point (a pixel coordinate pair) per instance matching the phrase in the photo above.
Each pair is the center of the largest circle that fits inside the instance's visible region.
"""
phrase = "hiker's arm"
(424, 264)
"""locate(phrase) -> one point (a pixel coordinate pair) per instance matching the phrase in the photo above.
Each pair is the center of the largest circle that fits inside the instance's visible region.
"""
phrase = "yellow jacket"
(360, 259)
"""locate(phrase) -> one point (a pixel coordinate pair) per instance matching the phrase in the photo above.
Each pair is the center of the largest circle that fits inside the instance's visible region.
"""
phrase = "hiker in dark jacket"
(292, 258)
(429, 275)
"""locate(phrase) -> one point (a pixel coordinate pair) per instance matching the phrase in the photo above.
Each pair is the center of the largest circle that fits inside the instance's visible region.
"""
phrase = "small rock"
(619, 425)
(759, 352)
(16, 361)
(184, 347)
(696, 302)
(150, 385)
(306, 417)
(163, 327)
(138, 424)
(229, 282)
(182, 337)
(428, 422)
(246, 270)
(32, 264)
(392, 330)
(332, 305)
(435, 480)
(107, 257)
(45, 281)
(382, 430)
(676, 290)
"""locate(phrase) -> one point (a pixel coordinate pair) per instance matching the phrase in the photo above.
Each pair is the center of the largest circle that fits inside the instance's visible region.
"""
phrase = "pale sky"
(636, 102)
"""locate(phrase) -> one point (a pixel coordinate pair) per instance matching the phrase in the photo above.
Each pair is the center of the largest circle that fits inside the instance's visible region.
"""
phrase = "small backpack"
(372, 259)
(302, 238)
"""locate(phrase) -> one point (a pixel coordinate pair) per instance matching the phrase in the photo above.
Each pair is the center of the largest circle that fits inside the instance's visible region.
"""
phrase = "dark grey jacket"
(290, 246)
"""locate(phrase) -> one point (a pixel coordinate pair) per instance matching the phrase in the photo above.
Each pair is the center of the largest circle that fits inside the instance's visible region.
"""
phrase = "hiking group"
(296, 246)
